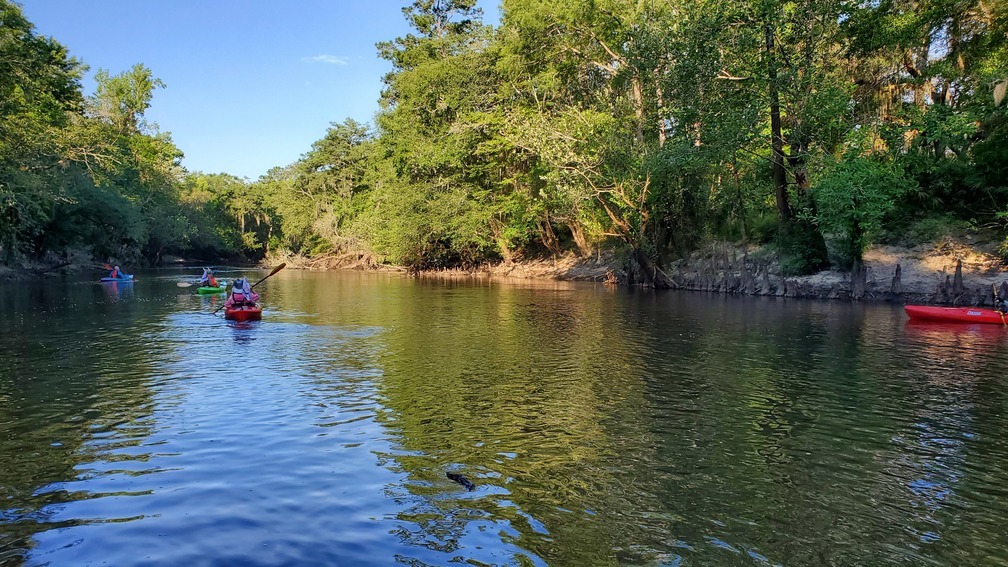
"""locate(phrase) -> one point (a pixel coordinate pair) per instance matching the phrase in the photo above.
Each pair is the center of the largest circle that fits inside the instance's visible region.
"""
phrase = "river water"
(599, 426)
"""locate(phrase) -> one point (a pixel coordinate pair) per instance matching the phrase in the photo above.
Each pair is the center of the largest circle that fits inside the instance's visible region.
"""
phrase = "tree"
(39, 90)
(927, 71)
(121, 100)
(433, 125)
(855, 194)
(210, 229)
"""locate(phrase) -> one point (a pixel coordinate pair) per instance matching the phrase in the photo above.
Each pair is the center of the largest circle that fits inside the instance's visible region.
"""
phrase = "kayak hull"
(128, 278)
(243, 313)
(211, 290)
(955, 314)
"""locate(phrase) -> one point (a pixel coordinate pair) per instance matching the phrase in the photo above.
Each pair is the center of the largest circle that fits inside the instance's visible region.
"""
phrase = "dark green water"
(601, 427)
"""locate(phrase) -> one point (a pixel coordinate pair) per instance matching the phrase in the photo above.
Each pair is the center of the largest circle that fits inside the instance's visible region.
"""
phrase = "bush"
(802, 249)
(854, 196)
(764, 229)
(911, 231)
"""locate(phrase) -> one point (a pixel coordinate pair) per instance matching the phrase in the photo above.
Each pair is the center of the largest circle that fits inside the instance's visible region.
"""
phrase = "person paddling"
(1000, 304)
(241, 295)
(208, 279)
(116, 273)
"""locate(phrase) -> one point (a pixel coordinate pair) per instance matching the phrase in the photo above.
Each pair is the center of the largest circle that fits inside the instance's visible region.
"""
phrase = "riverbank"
(952, 271)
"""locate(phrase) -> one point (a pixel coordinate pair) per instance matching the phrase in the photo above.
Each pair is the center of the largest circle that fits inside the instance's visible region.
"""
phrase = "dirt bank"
(922, 274)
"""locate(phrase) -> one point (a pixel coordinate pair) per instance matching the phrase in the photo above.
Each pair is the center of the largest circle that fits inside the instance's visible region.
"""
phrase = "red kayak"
(243, 313)
(955, 314)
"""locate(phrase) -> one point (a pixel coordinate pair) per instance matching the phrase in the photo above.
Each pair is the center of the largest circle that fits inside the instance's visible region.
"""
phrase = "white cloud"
(330, 59)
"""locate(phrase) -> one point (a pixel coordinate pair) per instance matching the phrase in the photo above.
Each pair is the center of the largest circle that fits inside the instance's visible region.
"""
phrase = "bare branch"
(724, 75)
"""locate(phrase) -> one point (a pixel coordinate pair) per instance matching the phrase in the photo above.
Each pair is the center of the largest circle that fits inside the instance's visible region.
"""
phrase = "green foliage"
(210, 229)
(39, 86)
(853, 196)
(912, 230)
(574, 125)
(801, 247)
(764, 228)
(991, 158)
(121, 100)
(582, 121)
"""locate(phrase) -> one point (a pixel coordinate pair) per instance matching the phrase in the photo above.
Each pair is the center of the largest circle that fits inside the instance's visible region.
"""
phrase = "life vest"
(238, 298)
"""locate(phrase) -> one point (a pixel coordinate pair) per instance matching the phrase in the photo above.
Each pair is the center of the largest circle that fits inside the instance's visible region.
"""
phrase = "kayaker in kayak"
(116, 273)
(1000, 300)
(241, 295)
(208, 279)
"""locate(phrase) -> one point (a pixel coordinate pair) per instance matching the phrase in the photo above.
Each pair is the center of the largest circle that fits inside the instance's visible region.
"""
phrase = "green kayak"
(221, 288)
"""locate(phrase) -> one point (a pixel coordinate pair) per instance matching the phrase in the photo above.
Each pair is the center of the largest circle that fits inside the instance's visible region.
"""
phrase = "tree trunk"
(584, 250)
(796, 160)
(957, 283)
(660, 96)
(651, 274)
(896, 287)
(777, 141)
(638, 100)
(548, 237)
(741, 201)
(859, 276)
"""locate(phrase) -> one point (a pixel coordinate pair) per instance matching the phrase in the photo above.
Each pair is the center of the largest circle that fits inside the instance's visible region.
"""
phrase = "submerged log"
(465, 482)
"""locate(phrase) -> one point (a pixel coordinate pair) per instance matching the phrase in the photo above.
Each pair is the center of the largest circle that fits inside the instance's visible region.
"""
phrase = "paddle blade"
(275, 270)
(184, 284)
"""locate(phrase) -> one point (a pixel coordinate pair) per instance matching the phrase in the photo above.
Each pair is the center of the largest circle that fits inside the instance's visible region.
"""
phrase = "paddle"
(220, 283)
(275, 270)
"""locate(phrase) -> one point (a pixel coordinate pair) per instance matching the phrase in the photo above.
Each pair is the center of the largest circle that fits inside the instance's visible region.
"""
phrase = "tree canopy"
(644, 127)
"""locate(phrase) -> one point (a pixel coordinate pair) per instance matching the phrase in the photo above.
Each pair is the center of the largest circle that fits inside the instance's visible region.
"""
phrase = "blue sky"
(249, 84)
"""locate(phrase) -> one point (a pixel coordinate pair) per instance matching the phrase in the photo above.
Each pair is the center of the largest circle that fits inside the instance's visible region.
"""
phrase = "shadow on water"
(598, 427)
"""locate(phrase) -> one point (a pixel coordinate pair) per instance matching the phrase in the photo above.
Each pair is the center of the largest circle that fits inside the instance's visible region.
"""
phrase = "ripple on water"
(598, 428)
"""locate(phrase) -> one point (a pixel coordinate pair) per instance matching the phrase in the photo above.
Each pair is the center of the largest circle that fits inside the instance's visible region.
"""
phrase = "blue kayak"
(125, 278)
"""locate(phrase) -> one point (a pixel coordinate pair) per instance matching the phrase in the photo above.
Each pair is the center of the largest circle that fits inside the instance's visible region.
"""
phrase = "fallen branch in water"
(465, 482)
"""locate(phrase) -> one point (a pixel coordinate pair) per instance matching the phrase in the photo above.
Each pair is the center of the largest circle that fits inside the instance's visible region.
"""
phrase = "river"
(599, 426)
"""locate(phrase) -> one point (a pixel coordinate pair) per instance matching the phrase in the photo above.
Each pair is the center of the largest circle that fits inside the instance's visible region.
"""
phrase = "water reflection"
(243, 330)
(933, 451)
(599, 428)
(117, 291)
